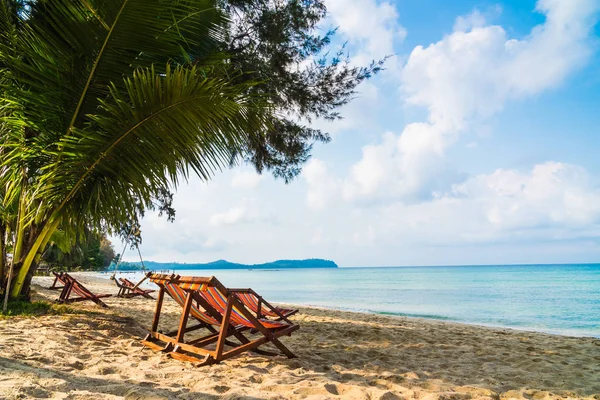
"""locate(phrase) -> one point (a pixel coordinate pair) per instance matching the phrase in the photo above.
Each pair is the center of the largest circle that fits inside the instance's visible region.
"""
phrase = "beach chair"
(128, 289)
(214, 306)
(261, 307)
(57, 279)
(72, 286)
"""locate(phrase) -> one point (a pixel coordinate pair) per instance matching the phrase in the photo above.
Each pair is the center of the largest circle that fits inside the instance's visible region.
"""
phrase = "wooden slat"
(188, 329)
(224, 327)
(268, 333)
(194, 349)
(198, 362)
(184, 317)
(153, 346)
(163, 337)
(159, 301)
(203, 341)
(245, 347)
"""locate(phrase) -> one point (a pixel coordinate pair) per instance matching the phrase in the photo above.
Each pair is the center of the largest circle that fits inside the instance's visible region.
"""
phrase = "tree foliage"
(91, 251)
(108, 103)
(279, 45)
(105, 105)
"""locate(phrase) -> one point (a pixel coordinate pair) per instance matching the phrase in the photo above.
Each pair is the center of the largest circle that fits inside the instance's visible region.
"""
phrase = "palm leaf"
(67, 58)
(158, 129)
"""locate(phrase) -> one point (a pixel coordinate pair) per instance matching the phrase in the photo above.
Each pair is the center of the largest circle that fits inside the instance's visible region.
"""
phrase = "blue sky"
(477, 145)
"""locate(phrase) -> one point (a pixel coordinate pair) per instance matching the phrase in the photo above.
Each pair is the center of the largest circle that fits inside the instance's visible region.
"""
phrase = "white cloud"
(473, 20)
(473, 73)
(468, 76)
(372, 26)
(551, 194)
(359, 115)
(552, 201)
(410, 166)
(242, 213)
(322, 187)
(373, 31)
(246, 180)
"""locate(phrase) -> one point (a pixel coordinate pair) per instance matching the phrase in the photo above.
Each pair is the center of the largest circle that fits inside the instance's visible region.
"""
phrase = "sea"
(556, 299)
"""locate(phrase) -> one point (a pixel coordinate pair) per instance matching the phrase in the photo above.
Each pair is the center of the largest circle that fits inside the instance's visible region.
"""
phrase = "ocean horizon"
(551, 298)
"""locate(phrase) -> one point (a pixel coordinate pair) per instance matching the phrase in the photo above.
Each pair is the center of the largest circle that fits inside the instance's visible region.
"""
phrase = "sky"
(478, 144)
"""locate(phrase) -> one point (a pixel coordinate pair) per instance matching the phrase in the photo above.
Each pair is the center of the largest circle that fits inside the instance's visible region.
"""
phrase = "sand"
(342, 355)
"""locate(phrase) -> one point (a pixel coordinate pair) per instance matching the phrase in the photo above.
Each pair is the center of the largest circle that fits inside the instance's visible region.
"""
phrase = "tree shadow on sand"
(90, 387)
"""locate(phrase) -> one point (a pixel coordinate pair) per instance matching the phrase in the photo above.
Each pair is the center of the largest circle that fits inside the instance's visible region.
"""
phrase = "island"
(224, 264)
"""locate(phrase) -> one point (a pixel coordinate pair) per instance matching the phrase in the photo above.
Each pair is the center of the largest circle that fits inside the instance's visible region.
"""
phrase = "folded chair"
(128, 289)
(57, 279)
(260, 307)
(72, 286)
(221, 312)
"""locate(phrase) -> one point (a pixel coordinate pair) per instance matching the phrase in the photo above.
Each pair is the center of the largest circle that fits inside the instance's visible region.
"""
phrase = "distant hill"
(223, 264)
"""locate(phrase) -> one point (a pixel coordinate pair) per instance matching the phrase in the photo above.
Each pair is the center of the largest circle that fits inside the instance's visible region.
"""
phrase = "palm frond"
(159, 128)
(67, 59)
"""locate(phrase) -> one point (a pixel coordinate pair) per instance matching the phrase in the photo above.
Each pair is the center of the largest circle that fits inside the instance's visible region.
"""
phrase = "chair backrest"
(76, 286)
(79, 288)
(126, 282)
(179, 295)
(61, 276)
(218, 300)
(211, 290)
(251, 301)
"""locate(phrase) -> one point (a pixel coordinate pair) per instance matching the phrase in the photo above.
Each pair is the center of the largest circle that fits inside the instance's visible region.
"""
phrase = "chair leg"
(282, 347)
(266, 332)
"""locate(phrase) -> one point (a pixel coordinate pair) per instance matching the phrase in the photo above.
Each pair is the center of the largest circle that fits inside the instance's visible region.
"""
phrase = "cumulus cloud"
(373, 31)
(322, 186)
(552, 193)
(468, 76)
(473, 20)
(370, 25)
(471, 73)
(551, 201)
(246, 211)
(410, 167)
(246, 180)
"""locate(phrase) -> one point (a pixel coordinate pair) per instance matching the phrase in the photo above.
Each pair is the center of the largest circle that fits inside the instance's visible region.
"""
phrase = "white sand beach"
(341, 355)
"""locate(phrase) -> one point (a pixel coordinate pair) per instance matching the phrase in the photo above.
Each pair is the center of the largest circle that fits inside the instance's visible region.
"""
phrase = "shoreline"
(441, 321)
(566, 333)
(97, 353)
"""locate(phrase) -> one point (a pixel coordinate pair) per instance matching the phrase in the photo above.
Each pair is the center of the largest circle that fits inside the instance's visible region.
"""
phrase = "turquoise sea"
(561, 299)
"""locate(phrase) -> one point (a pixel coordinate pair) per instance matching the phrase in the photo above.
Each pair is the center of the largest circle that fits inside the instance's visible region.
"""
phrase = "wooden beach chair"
(72, 286)
(57, 279)
(261, 307)
(127, 289)
(206, 300)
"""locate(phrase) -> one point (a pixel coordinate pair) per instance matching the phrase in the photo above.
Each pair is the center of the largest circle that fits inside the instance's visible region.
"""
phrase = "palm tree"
(106, 103)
